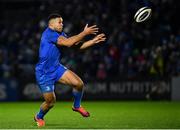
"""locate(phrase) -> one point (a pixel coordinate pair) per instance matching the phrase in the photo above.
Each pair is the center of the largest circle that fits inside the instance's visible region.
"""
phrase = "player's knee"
(79, 85)
(51, 105)
(51, 102)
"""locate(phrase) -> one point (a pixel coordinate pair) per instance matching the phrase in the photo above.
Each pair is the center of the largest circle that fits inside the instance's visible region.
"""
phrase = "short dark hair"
(53, 16)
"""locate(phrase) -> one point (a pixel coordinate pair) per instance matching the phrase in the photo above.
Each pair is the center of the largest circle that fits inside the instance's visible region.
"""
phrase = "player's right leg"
(71, 79)
(50, 99)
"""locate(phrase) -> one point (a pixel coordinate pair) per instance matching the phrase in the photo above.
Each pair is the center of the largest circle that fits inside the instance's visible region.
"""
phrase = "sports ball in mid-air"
(142, 14)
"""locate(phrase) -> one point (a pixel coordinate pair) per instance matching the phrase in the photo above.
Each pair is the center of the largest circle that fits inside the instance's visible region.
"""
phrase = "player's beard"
(59, 30)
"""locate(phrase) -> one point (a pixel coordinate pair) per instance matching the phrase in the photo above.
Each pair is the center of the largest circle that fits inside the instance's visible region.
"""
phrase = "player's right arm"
(63, 41)
(97, 39)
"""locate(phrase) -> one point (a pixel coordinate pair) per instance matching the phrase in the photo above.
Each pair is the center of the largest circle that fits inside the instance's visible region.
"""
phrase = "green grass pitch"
(105, 115)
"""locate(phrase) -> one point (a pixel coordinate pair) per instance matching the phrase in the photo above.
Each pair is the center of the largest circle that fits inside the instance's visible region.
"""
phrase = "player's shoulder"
(48, 31)
(52, 33)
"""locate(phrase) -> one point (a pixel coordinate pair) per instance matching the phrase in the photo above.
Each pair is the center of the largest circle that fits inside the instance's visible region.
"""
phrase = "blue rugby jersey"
(49, 53)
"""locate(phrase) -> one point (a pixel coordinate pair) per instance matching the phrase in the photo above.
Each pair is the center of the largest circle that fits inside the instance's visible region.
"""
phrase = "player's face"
(58, 24)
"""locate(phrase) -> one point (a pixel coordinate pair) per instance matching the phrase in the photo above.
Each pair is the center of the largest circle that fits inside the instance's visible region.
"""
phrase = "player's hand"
(99, 38)
(90, 30)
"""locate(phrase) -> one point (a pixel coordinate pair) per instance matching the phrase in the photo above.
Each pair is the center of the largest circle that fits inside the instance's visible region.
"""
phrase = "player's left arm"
(74, 40)
(99, 38)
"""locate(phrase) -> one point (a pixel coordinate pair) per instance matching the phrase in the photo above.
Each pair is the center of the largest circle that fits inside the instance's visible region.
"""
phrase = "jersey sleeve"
(55, 35)
(64, 34)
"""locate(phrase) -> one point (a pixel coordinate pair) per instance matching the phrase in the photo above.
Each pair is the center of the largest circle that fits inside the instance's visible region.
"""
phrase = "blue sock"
(41, 114)
(77, 98)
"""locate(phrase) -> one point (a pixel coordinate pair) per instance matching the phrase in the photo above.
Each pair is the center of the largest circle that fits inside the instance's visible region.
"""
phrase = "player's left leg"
(49, 102)
(71, 79)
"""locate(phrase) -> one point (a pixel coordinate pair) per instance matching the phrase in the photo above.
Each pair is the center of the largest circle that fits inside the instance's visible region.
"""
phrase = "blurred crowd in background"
(132, 50)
